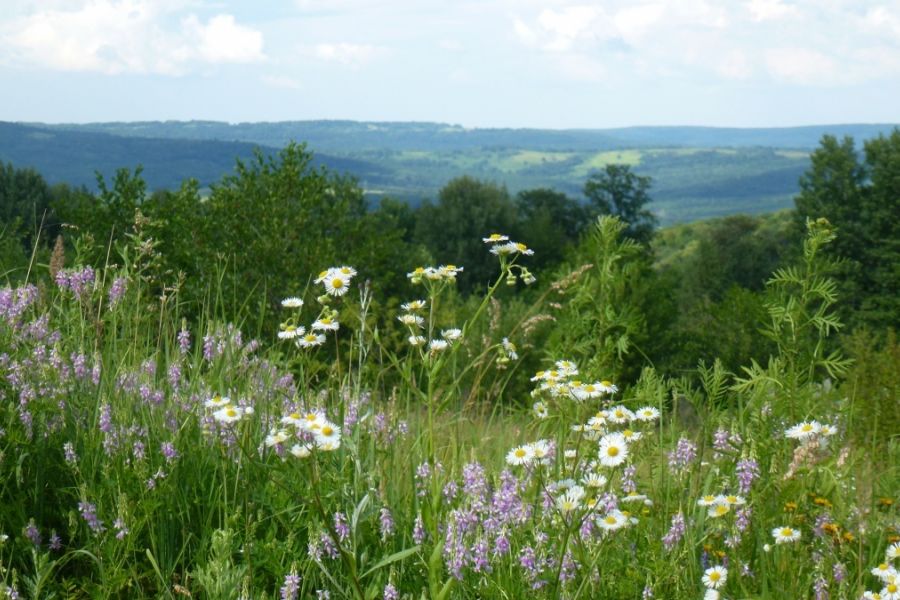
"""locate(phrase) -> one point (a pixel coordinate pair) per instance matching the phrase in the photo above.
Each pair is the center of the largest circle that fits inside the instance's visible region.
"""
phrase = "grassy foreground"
(142, 457)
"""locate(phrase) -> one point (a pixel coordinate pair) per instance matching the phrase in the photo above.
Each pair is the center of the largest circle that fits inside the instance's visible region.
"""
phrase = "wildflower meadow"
(373, 451)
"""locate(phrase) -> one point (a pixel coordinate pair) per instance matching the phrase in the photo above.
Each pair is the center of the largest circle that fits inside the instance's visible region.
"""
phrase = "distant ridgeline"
(697, 172)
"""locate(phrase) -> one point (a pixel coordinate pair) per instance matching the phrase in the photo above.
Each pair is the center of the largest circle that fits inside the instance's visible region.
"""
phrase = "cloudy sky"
(519, 63)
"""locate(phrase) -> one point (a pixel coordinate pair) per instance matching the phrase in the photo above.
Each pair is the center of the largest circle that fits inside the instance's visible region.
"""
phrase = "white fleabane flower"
(416, 340)
(612, 520)
(647, 413)
(229, 414)
(451, 335)
(289, 332)
(310, 340)
(520, 455)
(277, 437)
(540, 410)
(715, 577)
(495, 238)
(803, 431)
(613, 450)
(326, 324)
(217, 401)
(413, 306)
(785, 535)
(438, 345)
(411, 320)
(292, 302)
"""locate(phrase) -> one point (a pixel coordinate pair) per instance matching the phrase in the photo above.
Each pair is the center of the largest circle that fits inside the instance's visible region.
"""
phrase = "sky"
(487, 63)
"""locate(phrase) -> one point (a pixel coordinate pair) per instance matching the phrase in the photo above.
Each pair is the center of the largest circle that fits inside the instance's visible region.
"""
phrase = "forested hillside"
(697, 172)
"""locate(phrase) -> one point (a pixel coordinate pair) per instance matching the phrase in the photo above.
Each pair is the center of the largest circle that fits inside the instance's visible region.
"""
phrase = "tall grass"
(143, 457)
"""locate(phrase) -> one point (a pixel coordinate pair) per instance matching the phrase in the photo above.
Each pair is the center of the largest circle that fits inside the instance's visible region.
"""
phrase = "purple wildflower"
(89, 514)
(684, 454)
(121, 529)
(390, 592)
(747, 470)
(340, 526)
(675, 533)
(55, 541)
(69, 453)
(386, 523)
(168, 451)
(184, 341)
(117, 290)
(418, 533)
(291, 588)
(33, 533)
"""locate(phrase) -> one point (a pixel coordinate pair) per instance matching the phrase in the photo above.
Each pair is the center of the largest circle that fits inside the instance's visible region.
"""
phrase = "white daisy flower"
(540, 410)
(711, 595)
(520, 455)
(229, 414)
(326, 324)
(631, 435)
(893, 551)
(438, 345)
(292, 302)
(568, 502)
(567, 367)
(416, 340)
(891, 590)
(733, 500)
(784, 535)
(620, 414)
(312, 421)
(294, 419)
(412, 320)
(495, 238)
(647, 413)
(718, 509)
(451, 335)
(884, 571)
(328, 432)
(413, 305)
(612, 520)
(217, 401)
(608, 387)
(715, 577)
(613, 450)
(277, 437)
(289, 332)
(310, 340)
(707, 500)
(541, 451)
(803, 431)
(336, 284)
(593, 480)
(348, 272)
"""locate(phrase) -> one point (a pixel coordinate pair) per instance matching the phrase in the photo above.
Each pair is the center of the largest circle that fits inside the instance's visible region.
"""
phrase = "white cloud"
(224, 41)
(127, 36)
(351, 55)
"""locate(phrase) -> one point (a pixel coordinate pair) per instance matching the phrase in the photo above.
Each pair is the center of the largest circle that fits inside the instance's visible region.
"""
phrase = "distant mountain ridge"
(74, 156)
(343, 136)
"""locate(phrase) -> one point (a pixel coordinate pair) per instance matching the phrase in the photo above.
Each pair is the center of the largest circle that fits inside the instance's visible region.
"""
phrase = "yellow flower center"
(787, 532)
(891, 588)
(610, 520)
(231, 412)
(327, 431)
(612, 451)
(714, 576)
(520, 453)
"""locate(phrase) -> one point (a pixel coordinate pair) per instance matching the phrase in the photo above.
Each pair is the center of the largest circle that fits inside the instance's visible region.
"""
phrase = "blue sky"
(516, 63)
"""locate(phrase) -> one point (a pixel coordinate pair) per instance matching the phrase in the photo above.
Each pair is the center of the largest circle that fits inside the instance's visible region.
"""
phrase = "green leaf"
(396, 556)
